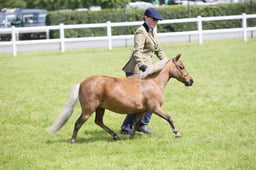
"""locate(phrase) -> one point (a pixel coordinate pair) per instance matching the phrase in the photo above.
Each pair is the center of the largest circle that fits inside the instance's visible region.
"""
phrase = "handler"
(145, 44)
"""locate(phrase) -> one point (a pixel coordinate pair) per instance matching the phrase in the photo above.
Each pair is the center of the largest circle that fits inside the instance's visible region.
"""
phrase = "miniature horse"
(123, 95)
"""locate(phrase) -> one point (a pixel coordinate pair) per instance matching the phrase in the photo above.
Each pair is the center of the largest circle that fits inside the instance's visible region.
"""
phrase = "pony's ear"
(177, 57)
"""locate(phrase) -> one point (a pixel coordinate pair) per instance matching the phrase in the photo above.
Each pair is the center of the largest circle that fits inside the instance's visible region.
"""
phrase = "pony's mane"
(154, 68)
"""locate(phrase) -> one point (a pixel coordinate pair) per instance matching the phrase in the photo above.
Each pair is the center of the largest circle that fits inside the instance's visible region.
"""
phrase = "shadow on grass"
(93, 136)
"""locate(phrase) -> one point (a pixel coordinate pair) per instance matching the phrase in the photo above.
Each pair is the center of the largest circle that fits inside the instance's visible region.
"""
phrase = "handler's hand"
(143, 68)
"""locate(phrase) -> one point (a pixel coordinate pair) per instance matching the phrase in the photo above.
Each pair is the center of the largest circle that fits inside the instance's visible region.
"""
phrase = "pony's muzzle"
(189, 82)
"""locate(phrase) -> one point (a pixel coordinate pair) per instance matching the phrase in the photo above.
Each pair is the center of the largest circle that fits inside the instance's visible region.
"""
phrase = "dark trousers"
(130, 118)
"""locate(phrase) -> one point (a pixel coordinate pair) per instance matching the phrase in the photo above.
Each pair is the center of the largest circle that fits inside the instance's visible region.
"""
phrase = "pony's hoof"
(116, 138)
(73, 141)
(177, 135)
(131, 136)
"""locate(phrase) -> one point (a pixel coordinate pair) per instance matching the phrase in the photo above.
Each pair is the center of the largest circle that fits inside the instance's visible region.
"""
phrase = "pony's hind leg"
(80, 121)
(136, 124)
(99, 121)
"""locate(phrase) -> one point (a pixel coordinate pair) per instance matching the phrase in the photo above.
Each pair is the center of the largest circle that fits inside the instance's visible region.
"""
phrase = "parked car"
(174, 2)
(20, 17)
(139, 5)
(5, 19)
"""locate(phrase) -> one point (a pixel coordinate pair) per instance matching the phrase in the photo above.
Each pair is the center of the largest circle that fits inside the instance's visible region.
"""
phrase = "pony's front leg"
(174, 130)
(168, 118)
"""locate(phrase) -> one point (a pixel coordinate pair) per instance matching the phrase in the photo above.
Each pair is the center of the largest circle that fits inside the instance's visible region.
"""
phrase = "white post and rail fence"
(199, 33)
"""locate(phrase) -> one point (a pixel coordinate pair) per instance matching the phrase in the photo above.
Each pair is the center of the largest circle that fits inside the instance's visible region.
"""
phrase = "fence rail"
(109, 37)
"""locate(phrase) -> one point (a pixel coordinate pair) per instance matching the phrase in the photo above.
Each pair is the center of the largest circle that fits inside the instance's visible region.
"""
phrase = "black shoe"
(125, 132)
(144, 129)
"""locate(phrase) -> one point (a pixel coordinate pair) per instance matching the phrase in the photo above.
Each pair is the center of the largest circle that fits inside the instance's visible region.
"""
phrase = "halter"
(178, 68)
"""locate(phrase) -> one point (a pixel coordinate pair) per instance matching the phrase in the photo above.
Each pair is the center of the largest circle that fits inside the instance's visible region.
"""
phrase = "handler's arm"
(159, 51)
(139, 42)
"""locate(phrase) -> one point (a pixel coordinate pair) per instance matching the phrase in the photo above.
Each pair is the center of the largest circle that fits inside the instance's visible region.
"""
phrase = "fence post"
(62, 37)
(200, 28)
(244, 25)
(47, 34)
(109, 34)
(14, 45)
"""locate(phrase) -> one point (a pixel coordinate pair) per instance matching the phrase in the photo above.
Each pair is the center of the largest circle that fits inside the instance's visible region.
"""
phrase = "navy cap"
(153, 13)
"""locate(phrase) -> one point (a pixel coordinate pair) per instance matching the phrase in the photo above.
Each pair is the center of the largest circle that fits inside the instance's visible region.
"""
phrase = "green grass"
(216, 116)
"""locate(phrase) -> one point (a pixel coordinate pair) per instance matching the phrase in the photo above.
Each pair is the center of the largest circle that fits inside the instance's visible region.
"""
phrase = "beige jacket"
(145, 44)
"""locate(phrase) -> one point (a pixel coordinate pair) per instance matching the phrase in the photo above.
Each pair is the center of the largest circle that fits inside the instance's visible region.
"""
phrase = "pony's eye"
(181, 67)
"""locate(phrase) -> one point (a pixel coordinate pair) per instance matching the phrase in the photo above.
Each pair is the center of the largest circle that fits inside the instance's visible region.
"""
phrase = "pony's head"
(180, 73)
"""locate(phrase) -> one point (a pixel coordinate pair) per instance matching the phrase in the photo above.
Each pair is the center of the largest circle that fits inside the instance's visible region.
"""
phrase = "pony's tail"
(67, 110)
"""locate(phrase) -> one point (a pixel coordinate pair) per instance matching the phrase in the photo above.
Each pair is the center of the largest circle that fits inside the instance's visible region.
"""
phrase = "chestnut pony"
(122, 95)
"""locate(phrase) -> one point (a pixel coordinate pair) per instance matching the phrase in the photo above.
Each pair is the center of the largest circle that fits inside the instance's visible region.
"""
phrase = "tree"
(43, 4)
(62, 4)
(105, 3)
(12, 4)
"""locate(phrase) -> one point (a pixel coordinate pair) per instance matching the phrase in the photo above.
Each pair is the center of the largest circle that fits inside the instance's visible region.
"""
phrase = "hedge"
(168, 12)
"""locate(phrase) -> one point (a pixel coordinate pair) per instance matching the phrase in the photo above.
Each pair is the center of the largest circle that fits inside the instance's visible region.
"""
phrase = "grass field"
(216, 116)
